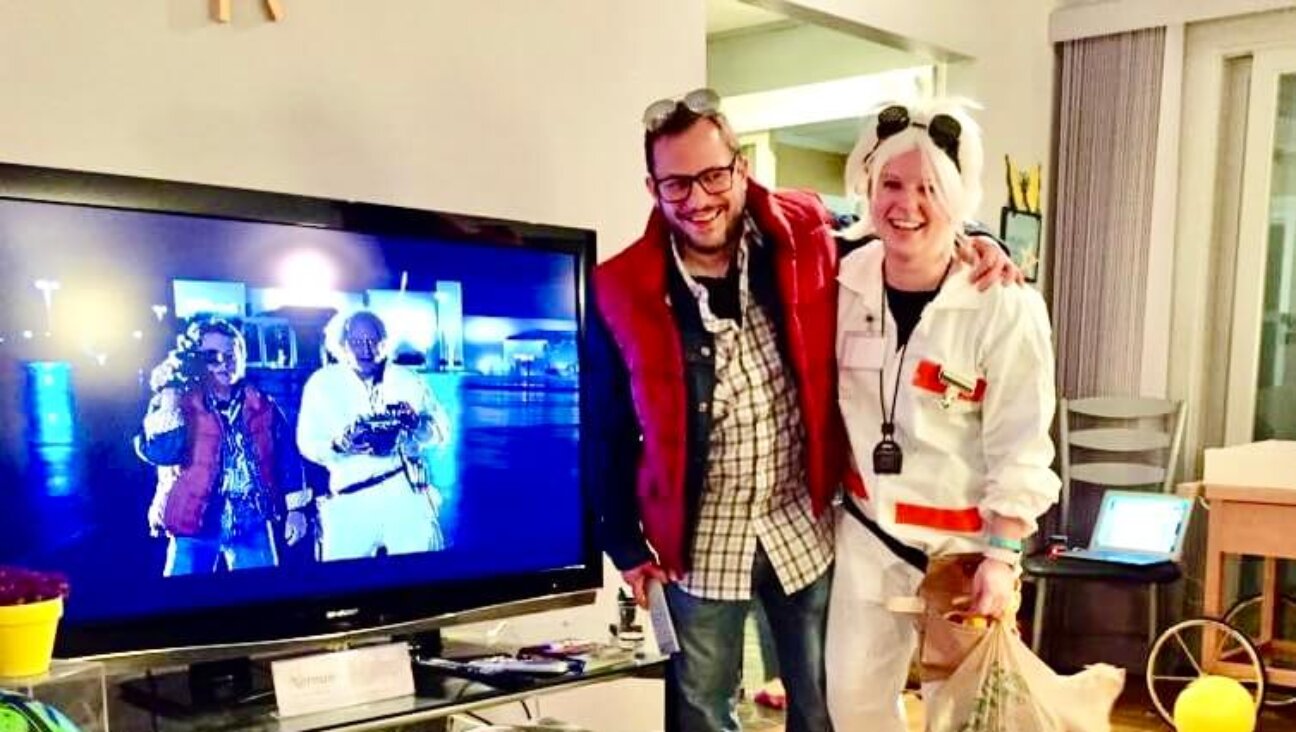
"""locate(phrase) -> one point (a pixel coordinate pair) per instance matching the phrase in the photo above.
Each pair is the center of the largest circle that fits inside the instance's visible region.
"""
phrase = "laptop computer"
(1138, 529)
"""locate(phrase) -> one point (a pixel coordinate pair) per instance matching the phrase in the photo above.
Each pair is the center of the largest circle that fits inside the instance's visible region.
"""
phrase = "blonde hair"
(956, 186)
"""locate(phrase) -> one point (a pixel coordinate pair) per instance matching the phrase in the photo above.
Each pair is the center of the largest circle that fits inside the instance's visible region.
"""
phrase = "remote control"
(536, 666)
(442, 664)
(659, 612)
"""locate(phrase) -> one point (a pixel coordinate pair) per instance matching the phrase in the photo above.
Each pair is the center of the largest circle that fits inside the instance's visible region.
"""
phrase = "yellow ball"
(1215, 704)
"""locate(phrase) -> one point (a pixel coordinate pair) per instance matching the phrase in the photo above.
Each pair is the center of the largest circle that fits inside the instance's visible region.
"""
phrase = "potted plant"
(31, 604)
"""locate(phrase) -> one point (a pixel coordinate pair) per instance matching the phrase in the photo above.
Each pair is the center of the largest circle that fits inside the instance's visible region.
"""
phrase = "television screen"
(218, 416)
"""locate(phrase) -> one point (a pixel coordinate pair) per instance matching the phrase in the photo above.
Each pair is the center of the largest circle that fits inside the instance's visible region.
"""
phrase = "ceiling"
(731, 15)
(740, 17)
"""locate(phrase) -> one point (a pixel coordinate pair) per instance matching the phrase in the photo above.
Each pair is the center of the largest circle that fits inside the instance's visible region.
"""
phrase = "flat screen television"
(232, 416)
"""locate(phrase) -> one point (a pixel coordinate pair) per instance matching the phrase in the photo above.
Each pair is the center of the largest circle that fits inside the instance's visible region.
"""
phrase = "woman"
(947, 393)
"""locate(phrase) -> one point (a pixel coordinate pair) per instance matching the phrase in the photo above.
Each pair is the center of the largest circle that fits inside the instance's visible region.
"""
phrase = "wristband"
(1002, 542)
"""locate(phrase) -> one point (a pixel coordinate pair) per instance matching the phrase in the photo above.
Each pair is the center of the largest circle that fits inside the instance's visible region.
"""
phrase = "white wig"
(956, 187)
(339, 326)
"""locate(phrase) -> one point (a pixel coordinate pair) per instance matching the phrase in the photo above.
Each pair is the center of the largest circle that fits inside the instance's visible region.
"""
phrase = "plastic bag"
(1002, 687)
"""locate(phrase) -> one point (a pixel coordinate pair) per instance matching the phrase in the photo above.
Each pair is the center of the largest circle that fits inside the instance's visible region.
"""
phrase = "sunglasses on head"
(943, 129)
(698, 101)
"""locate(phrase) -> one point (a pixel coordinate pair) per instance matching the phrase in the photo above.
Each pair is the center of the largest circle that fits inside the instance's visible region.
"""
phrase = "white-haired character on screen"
(367, 421)
(947, 394)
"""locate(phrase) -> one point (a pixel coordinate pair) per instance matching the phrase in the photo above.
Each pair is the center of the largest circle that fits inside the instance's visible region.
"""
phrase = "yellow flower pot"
(27, 637)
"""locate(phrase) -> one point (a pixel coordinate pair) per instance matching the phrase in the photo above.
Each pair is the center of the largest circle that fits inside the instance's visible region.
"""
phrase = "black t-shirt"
(907, 307)
(722, 295)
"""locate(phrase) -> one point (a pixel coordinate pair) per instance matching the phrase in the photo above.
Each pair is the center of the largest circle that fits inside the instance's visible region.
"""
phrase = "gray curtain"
(1107, 108)
(1106, 112)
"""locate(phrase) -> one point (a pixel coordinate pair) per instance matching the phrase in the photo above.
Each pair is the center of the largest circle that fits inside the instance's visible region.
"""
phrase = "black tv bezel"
(419, 604)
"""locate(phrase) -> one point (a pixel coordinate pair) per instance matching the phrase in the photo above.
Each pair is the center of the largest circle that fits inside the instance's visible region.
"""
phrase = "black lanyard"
(887, 455)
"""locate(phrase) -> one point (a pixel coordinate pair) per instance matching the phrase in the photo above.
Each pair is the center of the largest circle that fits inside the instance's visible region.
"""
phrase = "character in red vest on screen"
(229, 476)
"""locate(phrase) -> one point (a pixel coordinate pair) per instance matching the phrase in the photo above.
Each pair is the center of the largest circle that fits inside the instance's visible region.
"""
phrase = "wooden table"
(1259, 522)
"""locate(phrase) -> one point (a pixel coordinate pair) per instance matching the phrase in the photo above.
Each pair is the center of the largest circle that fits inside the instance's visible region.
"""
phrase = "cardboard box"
(1268, 464)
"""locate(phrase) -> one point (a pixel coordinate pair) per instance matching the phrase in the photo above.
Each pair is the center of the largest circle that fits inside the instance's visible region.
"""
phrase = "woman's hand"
(994, 589)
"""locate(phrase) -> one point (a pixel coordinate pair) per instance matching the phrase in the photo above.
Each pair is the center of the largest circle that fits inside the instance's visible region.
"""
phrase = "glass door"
(1261, 402)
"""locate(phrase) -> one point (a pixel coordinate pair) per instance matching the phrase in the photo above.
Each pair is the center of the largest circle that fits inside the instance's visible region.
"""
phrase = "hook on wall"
(221, 10)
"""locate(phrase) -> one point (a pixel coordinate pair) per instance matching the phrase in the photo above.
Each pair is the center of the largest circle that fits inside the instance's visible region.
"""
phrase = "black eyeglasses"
(698, 101)
(943, 129)
(676, 188)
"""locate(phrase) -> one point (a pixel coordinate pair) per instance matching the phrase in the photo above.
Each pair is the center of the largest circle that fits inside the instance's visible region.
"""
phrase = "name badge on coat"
(863, 350)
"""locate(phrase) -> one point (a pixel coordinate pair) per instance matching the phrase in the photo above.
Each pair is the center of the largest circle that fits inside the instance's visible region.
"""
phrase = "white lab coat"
(391, 514)
(961, 462)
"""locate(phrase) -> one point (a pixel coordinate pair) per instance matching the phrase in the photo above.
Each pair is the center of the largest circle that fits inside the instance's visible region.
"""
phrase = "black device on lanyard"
(888, 458)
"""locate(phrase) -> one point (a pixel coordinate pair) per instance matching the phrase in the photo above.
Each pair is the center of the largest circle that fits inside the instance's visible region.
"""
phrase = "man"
(721, 446)
(228, 476)
(367, 421)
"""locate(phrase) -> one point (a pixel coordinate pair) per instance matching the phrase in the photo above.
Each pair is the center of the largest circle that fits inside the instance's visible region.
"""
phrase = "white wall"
(508, 108)
(1009, 66)
(783, 55)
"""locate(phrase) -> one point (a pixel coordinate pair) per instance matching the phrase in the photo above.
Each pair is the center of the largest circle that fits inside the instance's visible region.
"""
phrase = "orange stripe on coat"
(965, 520)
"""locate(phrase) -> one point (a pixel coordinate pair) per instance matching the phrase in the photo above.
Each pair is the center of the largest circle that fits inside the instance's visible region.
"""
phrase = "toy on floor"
(1215, 704)
(772, 695)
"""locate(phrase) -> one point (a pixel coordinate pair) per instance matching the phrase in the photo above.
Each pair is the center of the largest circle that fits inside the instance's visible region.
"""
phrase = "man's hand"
(994, 589)
(167, 375)
(990, 265)
(405, 414)
(354, 439)
(294, 527)
(638, 579)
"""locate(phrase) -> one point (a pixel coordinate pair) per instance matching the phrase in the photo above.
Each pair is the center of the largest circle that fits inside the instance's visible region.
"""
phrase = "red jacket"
(633, 295)
(184, 491)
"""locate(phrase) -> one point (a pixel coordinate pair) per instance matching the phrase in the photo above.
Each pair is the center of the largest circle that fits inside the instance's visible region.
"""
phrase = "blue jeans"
(765, 636)
(704, 677)
(197, 555)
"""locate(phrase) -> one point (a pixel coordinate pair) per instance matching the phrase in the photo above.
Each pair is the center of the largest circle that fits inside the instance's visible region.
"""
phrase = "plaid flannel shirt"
(754, 491)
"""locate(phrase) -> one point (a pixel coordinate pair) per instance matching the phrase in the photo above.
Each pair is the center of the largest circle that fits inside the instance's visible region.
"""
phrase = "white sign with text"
(329, 681)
